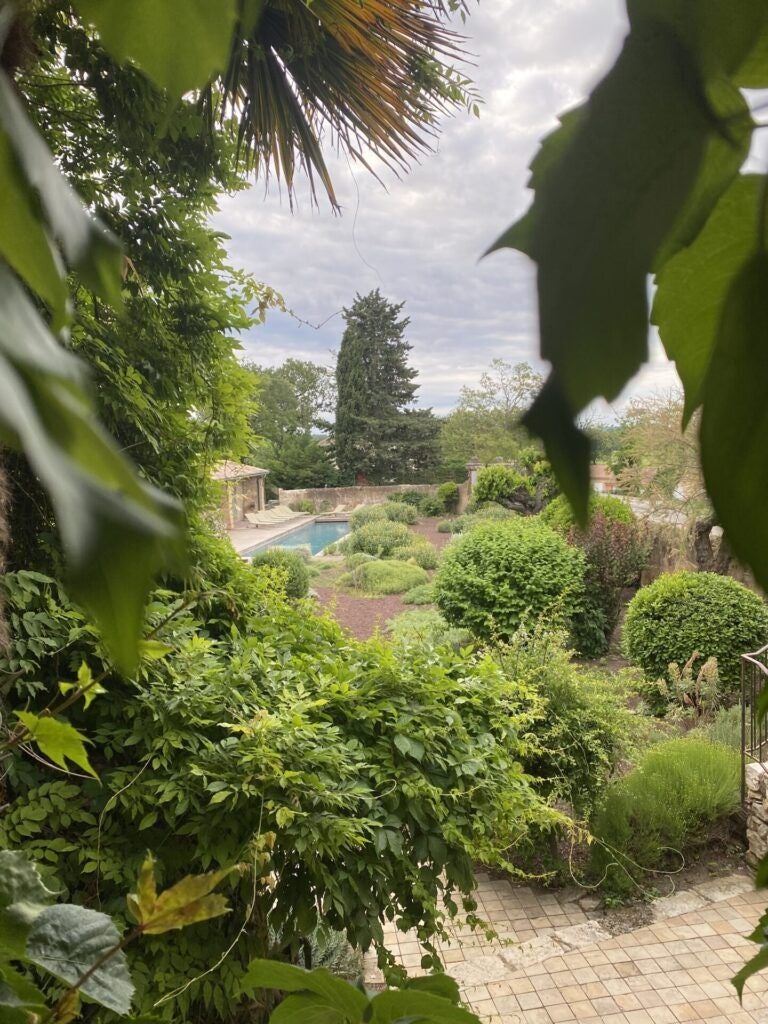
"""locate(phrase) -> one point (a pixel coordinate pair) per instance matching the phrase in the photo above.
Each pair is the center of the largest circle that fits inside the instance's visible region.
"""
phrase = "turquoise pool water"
(315, 535)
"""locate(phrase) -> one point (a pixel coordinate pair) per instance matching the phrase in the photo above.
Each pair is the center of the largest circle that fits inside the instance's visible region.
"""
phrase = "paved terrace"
(554, 963)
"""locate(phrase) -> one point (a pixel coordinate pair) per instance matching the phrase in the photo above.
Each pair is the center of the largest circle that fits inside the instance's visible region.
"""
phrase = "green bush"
(502, 572)
(353, 560)
(426, 628)
(290, 563)
(395, 512)
(423, 554)
(423, 594)
(725, 728)
(387, 577)
(495, 483)
(378, 538)
(448, 495)
(409, 497)
(559, 515)
(446, 526)
(431, 507)
(305, 505)
(667, 806)
(686, 612)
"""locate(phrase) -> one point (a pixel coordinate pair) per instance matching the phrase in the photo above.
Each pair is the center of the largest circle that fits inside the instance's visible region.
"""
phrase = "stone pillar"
(757, 812)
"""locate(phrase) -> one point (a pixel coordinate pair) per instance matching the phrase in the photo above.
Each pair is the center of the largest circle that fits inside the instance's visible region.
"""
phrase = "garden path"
(563, 967)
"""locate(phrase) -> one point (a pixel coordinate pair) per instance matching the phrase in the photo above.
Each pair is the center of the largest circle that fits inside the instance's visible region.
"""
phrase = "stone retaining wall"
(351, 496)
(757, 812)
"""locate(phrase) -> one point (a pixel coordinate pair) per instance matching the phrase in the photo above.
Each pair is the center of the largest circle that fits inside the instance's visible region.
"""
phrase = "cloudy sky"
(419, 239)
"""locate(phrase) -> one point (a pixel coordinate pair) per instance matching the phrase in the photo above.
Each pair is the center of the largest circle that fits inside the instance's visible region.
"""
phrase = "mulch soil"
(363, 616)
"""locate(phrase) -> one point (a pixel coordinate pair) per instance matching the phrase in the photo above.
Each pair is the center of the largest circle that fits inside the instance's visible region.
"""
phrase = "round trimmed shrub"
(559, 515)
(378, 538)
(499, 572)
(424, 555)
(291, 563)
(683, 612)
(390, 577)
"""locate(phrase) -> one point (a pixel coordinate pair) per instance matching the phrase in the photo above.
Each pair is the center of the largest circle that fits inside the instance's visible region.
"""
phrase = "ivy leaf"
(67, 940)
(185, 903)
(692, 286)
(734, 424)
(57, 740)
(180, 44)
(392, 1005)
(338, 994)
(117, 531)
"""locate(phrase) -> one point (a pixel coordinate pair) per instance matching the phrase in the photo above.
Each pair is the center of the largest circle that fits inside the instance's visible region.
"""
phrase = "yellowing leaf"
(84, 679)
(154, 650)
(185, 903)
(57, 740)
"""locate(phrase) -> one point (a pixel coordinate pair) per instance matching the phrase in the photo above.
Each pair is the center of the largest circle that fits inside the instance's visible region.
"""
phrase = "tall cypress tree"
(379, 436)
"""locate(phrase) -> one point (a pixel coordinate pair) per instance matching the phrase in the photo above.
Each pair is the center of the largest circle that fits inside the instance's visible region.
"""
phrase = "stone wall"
(757, 812)
(351, 496)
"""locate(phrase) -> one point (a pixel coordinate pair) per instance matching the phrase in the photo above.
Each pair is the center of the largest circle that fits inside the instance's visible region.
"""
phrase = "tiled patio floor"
(674, 970)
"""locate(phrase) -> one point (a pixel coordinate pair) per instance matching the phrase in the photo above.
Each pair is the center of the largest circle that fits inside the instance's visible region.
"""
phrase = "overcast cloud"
(419, 239)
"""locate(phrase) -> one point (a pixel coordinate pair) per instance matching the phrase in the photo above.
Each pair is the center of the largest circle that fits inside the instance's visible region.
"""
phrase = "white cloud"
(420, 238)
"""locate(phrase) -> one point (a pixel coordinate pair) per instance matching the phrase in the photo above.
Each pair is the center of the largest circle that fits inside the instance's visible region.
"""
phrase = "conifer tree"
(379, 436)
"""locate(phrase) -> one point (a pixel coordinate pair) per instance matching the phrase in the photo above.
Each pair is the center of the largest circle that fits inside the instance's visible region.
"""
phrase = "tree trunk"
(709, 557)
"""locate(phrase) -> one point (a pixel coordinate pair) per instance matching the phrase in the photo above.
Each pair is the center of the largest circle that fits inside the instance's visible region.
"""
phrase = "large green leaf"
(180, 44)
(117, 531)
(392, 1005)
(18, 993)
(338, 994)
(87, 247)
(188, 901)
(734, 424)
(692, 286)
(68, 940)
(23, 897)
(57, 740)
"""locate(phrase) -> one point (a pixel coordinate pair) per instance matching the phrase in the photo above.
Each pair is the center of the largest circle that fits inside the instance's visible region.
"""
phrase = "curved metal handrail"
(754, 732)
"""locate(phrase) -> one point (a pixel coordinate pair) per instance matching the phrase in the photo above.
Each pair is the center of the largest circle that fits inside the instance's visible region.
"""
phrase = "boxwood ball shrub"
(683, 612)
(559, 515)
(378, 538)
(290, 563)
(501, 572)
(387, 577)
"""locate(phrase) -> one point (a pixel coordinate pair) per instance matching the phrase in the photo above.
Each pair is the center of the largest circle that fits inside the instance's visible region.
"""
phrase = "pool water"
(316, 536)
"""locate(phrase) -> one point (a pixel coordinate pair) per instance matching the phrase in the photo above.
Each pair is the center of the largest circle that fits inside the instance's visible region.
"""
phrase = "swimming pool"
(314, 535)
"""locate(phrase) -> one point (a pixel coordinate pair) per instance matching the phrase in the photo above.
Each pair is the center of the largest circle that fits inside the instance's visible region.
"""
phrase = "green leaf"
(117, 531)
(23, 240)
(180, 44)
(307, 1009)
(442, 985)
(339, 994)
(23, 896)
(734, 424)
(391, 1006)
(604, 206)
(154, 650)
(86, 245)
(753, 966)
(568, 448)
(57, 740)
(67, 941)
(184, 903)
(17, 992)
(412, 748)
(692, 286)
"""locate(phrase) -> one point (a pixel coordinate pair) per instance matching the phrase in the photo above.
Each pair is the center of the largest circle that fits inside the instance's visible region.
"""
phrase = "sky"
(420, 238)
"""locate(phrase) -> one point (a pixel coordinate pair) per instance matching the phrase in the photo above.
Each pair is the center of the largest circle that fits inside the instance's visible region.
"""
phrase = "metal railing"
(754, 730)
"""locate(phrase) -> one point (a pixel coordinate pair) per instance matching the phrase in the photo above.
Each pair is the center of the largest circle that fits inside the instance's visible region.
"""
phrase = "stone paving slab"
(553, 963)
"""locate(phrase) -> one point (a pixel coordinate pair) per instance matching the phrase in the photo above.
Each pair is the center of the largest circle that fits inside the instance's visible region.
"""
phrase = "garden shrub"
(357, 558)
(288, 562)
(559, 515)
(262, 738)
(423, 594)
(409, 497)
(378, 538)
(387, 577)
(482, 514)
(500, 572)
(395, 512)
(685, 612)
(668, 805)
(304, 505)
(446, 526)
(423, 554)
(448, 495)
(725, 728)
(495, 483)
(431, 507)
(426, 628)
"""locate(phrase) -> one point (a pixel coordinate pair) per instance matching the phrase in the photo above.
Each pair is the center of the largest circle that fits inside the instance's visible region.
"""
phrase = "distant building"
(602, 478)
(243, 490)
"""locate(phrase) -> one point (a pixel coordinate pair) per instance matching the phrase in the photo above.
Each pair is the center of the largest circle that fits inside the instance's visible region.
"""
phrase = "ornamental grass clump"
(501, 573)
(685, 612)
(676, 800)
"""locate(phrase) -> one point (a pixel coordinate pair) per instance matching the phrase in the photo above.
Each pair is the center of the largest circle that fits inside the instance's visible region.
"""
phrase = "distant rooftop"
(236, 471)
